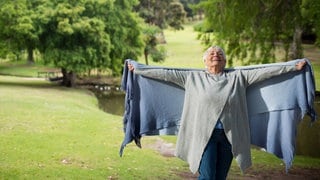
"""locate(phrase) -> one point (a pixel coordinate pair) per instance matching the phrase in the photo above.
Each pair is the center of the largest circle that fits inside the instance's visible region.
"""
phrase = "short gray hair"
(205, 54)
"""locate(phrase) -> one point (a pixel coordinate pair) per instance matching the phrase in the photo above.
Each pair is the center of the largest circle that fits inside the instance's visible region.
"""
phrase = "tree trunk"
(163, 38)
(296, 46)
(17, 55)
(68, 78)
(146, 56)
(30, 59)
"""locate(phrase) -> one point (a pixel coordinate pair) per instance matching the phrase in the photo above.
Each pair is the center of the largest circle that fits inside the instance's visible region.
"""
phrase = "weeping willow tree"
(250, 30)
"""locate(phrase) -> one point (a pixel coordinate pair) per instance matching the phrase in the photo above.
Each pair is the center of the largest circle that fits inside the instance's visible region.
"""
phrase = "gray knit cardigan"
(209, 98)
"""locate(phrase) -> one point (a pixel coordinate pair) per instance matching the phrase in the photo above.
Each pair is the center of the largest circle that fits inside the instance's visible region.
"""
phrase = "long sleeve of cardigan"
(259, 74)
(251, 75)
(170, 75)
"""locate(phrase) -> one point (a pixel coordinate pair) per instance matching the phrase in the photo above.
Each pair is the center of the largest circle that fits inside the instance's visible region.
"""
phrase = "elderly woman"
(214, 122)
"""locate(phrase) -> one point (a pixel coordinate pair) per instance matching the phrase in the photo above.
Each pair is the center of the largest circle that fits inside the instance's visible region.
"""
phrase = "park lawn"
(21, 68)
(51, 132)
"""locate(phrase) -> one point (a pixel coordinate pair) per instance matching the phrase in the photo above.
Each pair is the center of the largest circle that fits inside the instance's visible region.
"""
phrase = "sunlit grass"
(183, 49)
(51, 132)
(21, 68)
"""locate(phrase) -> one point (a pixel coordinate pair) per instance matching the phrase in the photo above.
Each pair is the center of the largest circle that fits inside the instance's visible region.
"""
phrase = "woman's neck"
(215, 70)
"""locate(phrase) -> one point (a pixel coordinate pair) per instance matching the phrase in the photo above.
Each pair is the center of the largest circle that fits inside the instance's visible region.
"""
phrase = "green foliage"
(249, 30)
(77, 36)
(73, 39)
(151, 35)
(176, 15)
(188, 7)
(125, 31)
(310, 11)
(17, 28)
(162, 13)
(158, 15)
(4, 51)
(159, 54)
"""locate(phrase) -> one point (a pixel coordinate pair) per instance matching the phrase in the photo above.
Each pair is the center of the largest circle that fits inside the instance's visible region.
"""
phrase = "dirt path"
(258, 173)
(293, 174)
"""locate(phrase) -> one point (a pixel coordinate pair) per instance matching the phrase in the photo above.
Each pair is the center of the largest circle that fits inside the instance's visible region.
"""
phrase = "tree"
(150, 34)
(78, 36)
(74, 35)
(72, 41)
(249, 30)
(176, 15)
(310, 11)
(162, 13)
(125, 29)
(189, 7)
(18, 30)
(159, 15)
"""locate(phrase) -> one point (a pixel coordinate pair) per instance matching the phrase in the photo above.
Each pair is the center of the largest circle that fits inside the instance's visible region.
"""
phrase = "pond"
(308, 138)
(111, 100)
(112, 103)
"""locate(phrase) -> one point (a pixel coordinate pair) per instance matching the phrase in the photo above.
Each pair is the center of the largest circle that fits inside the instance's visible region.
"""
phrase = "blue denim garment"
(219, 125)
(217, 157)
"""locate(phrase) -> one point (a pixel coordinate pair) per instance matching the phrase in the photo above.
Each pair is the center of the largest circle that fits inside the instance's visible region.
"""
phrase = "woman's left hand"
(300, 65)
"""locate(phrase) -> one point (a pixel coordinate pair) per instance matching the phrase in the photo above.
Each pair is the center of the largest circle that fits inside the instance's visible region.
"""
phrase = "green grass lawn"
(21, 68)
(52, 132)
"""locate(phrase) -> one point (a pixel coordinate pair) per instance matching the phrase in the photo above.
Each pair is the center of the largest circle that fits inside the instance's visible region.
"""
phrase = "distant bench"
(48, 74)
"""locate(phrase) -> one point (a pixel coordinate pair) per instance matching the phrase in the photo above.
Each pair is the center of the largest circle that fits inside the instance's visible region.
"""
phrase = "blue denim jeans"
(217, 157)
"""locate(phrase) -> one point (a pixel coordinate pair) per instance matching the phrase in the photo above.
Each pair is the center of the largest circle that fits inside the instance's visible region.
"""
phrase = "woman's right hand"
(130, 67)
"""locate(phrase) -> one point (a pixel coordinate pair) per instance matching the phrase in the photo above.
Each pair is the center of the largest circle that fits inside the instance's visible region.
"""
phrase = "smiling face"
(214, 59)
